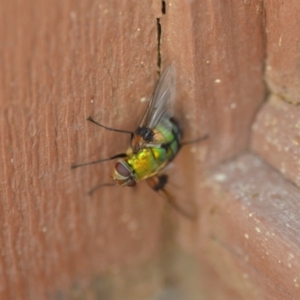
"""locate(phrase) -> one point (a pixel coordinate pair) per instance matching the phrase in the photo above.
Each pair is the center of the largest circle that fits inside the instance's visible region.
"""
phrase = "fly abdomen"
(170, 135)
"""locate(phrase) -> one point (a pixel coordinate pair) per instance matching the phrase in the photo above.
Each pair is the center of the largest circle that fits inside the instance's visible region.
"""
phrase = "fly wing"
(161, 103)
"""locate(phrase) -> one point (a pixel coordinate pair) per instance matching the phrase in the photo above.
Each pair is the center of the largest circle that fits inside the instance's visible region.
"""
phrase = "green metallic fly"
(154, 144)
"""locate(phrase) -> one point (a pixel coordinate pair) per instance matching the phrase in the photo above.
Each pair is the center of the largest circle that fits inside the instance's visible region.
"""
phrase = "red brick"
(276, 137)
(249, 232)
(219, 50)
(282, 48)
(63, 61)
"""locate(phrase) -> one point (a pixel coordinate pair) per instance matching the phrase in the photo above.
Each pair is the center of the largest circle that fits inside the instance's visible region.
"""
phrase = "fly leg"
(120, 155)
(194, 141)
(158, 183)
(109, 128)
(95, 188)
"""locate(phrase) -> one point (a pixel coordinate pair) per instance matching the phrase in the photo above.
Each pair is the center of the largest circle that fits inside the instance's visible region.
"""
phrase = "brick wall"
(237, 81)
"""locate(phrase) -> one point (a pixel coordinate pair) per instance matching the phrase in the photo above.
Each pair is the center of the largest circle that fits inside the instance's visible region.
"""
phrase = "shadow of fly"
(154, 144)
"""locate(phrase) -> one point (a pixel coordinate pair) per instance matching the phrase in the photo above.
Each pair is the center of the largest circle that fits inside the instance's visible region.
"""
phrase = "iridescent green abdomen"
(169, 136)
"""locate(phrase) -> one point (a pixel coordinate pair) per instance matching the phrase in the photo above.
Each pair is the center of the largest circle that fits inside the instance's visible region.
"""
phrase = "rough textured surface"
(250, 232)
(62, 61)
(219, 48)
(283, 48)
(276, 137)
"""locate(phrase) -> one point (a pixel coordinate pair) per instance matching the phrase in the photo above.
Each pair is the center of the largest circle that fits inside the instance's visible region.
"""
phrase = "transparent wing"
(161, 103)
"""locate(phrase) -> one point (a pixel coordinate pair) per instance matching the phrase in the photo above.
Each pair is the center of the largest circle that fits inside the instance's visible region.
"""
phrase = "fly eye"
(122, 170)
(126, 175)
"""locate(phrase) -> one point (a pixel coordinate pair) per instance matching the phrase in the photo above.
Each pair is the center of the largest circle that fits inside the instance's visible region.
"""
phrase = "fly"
(154, 144)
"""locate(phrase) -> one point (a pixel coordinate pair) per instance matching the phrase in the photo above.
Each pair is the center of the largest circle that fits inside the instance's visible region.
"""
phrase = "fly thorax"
(141, 137)
(146, 133)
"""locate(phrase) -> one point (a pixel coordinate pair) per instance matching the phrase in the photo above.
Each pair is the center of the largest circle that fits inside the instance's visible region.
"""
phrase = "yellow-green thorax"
(147, 162)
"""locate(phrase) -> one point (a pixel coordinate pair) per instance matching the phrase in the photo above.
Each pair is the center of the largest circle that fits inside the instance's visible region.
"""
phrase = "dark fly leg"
(158, 183)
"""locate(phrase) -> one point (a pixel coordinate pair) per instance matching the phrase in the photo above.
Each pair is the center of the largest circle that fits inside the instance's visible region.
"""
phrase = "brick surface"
(250, 232)
(276, 137)
(63, 61)
(60, 63)
(283, 48)
(219, 49)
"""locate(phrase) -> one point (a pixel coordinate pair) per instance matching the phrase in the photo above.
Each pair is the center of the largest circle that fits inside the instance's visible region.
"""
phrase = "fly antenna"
(120, 155)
